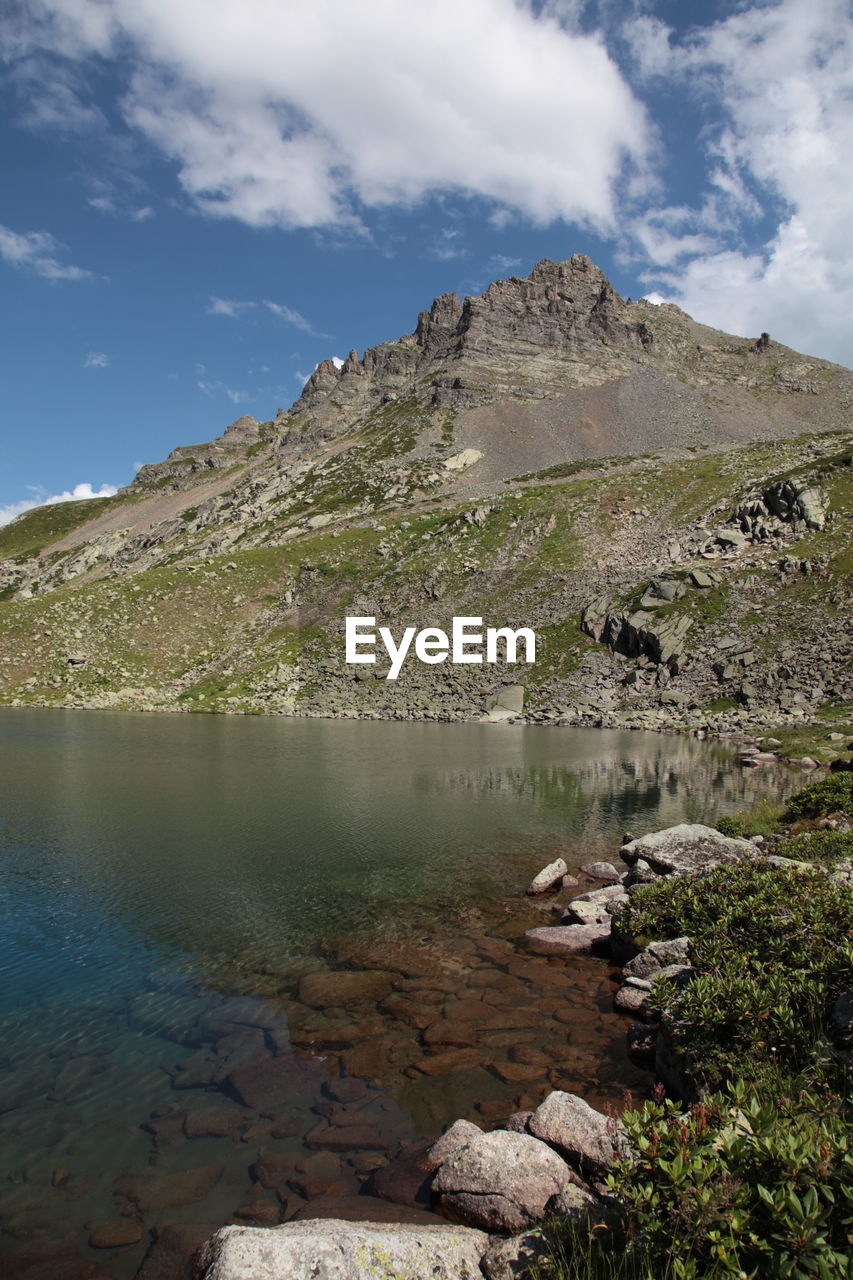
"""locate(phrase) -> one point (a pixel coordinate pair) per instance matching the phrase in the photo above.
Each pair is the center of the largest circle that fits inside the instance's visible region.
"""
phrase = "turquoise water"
(153, 868)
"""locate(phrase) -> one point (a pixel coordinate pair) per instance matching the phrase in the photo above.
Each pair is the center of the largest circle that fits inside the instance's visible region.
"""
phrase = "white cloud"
(234, 308)
(96, 360)
(502, 262)
(220, 388)
(283, 312)
(277, 112)
(78, 493)
(38, 252)
(228, 307)
(780, 79)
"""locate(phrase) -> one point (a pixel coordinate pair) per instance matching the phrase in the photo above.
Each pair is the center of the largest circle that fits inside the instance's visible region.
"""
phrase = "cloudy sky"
(203, 198)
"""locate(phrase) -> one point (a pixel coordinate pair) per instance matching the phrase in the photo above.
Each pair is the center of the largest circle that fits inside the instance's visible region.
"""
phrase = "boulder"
(685, 849)
(462, 461)
(504, 1181)
(331, 1249)
(458, 1135)
(549, 877)
(588, 1139)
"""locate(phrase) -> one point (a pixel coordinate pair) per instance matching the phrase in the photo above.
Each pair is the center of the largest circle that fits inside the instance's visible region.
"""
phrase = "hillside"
(666, 505)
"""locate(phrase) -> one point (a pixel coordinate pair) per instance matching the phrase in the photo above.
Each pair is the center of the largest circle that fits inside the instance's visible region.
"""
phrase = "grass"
(31, 532)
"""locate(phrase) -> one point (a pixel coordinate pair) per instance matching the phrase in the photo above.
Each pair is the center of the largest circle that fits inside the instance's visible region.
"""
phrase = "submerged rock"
(567, 939)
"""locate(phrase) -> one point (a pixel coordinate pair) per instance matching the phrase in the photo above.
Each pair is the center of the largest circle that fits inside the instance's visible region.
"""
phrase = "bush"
(822, 847)
(830, 795)
(740, 1186)
(774, 948)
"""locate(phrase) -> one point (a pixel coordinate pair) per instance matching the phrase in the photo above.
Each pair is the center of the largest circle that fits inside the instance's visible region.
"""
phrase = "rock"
(461, 461)
(346, 1089)
(548, 877)
(153, 1192)
(339, 1250)
(588, 1139)
(601, 871)
(514, 1258)
(508, 702)
(503, 1181)
(213, 1122)
(342, 988)
(685, 849)
(631, 996)
(118, 1233)
(458, 1135)
(656, 957)
(517, 1122)
(579, 912)
(406, 1180)
(567, 939)
(269, 1085)
(172, 1251)
(332, 1138)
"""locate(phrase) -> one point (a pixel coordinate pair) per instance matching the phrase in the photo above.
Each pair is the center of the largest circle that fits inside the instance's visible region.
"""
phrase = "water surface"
(178, 894)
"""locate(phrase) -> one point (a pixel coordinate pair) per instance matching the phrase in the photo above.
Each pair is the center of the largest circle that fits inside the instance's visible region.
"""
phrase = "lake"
(245, 960)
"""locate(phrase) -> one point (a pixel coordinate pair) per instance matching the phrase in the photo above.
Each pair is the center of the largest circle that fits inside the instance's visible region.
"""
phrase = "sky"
(203, 198)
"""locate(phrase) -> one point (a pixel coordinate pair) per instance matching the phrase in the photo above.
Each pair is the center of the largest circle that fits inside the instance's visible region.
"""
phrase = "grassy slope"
(216, 637)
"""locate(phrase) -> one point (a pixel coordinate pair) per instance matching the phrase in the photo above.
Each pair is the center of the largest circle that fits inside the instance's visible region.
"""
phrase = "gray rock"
(586, 913)
(459, 1133)
(632, 996)
(548, 877)
(601, 871)
(588, 1139)
(331, 1249)
(502, 1181)
(685, 849)
(656, 957)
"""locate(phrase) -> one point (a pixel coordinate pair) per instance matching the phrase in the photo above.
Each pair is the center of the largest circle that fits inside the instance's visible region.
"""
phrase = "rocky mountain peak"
(560, 307)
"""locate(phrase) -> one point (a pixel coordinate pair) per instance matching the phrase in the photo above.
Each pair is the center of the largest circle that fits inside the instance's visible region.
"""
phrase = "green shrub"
(830, 795)
(743, 1186)
(823, 847)
(773, 948)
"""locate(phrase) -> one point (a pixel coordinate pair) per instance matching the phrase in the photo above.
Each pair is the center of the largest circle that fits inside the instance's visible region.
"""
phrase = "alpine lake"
(246, 961)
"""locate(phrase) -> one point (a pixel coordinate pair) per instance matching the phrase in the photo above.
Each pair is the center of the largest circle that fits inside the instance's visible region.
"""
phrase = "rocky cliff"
(666, 504)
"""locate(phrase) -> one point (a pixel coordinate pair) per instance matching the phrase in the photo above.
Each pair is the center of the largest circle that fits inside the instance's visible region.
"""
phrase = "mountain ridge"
(492, 461)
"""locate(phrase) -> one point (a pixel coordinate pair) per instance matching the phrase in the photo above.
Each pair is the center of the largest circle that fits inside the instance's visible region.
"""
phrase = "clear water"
(154, 868)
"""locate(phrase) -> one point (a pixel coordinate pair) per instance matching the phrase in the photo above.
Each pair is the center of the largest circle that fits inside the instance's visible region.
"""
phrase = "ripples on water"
(175, 893)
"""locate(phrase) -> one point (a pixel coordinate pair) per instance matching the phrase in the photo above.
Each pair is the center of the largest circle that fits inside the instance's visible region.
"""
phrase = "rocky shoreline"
(496, 1188)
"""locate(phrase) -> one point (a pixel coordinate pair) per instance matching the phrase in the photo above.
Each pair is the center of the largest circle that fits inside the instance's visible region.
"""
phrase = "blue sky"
(203, 198)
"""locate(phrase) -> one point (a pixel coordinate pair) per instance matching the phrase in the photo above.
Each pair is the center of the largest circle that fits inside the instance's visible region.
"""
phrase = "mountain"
(664, 504)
